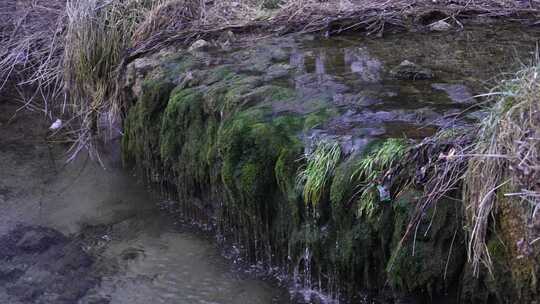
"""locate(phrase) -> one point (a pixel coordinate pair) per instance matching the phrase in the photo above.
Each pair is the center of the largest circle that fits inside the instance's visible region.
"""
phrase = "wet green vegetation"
(216, 147)
(272, 165)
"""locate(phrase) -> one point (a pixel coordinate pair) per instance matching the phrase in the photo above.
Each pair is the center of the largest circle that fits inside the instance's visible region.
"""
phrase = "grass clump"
(505, 157)
(315, 176)
(97, 35)
(371, 170)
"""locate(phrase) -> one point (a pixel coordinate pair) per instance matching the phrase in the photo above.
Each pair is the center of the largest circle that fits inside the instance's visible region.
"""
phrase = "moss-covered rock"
(218, 140)
(430, 262)
(140, 144)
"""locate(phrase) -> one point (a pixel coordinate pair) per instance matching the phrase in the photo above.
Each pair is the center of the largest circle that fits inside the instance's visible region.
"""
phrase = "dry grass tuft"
(174, 15)
(97, 35)
(506, 156)
(31, 51)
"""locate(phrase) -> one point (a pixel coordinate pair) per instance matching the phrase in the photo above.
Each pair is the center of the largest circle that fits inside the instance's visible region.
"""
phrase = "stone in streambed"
(39, 240)
(199, 45)
(408, 70)
(440, 26)
(458, 93)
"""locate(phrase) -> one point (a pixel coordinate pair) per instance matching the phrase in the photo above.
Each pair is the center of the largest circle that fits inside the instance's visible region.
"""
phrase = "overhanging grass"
(371, 170)
(97, 35)
(314, 178)
(506, 155)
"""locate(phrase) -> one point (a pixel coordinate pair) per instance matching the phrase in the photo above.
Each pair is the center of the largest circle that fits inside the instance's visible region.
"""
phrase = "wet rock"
(312, 84)
(27, 240)
(279, 54)
(41, 265)
(277, 71)
(356, 100)
(131, 254)
(99, 301)
(199, 45)
(9, 275)
(225, 39)
(440, 26)
(139, 70)
(368, 68)
(408, 70)
(457, 92)
(38, 241)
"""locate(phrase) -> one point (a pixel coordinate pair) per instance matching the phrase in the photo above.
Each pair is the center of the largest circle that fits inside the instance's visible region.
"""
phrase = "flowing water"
(139, 254)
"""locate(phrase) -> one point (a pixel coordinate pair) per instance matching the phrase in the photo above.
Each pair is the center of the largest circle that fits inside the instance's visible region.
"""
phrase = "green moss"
(220, 143)
(378, 158)
(319, 118)
(140, 141)
(219, 74)
(183, 113)
(181, 65)
(276, 93)
(342, 188)
(434, 252)
(250, 147)
(286, 169)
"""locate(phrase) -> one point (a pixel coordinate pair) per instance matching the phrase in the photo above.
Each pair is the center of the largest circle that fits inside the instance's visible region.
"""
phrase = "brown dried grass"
(506, 156)
(31, 51)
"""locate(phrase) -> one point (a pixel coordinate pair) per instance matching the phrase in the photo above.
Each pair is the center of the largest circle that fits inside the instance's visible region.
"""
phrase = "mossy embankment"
(242, 166)
(240, 148)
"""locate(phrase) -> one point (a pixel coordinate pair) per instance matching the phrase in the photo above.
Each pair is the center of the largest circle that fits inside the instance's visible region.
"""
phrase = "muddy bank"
(286, 148)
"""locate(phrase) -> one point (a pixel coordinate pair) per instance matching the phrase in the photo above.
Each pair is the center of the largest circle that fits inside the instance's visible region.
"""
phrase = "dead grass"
(506, 156)
(31, 42)
(97, 35)
(499, 160)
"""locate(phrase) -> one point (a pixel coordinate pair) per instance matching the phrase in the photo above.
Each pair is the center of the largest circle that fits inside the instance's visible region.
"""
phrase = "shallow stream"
(138, 254)
(134, 252)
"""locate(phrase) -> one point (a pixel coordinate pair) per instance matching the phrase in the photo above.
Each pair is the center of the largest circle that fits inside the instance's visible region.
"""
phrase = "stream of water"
(140, 254)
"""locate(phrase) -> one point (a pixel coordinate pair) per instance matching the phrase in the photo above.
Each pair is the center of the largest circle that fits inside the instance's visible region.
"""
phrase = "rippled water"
(172, 267)
(142, 255)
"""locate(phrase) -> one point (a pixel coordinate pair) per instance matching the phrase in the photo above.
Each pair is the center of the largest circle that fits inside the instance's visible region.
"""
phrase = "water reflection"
(368, 68)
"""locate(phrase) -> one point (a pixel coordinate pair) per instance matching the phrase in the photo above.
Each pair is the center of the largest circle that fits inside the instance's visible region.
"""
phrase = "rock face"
(408, 70)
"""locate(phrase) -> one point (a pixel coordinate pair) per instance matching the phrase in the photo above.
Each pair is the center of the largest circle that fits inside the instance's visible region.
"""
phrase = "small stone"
(440, 26)
(56, 125)
(199, 45)
(408, 70)
(458, 93)
(277, 71)
(279, 54)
